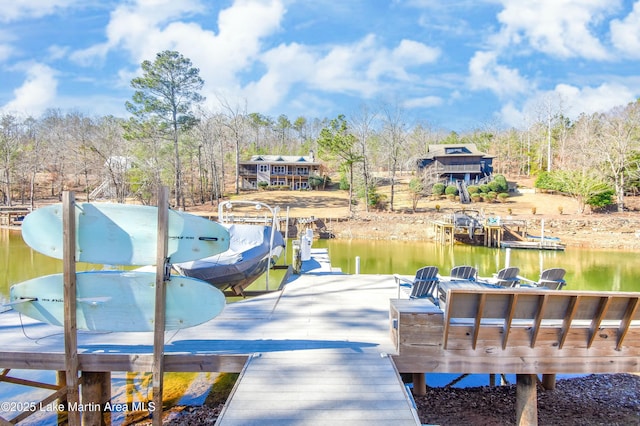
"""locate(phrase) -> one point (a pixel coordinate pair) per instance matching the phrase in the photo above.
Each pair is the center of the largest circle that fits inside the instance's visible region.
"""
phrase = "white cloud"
(512, 116)
(36, 93)
(147, 27)
(486, 73)
(287, 65)
(361, 68)
(395, 62)
(562, 28)
(20, 9)
(569, 100)
(366, 66)
(424, 102)
(625, 34)
(589, 100)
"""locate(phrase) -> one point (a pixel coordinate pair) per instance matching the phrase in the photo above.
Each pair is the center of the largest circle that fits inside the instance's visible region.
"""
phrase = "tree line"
(170, 139)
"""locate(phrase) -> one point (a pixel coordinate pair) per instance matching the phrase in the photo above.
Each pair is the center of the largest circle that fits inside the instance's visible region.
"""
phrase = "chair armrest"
(400, 280)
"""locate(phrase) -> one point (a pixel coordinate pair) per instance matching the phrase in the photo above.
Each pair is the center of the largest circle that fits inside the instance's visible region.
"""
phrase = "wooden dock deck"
(320, 337)
(319, 387)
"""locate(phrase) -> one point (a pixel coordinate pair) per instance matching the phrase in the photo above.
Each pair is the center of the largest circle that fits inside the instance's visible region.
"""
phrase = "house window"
(264, 168)
(302, 171)
(278, 170)
(456, 150)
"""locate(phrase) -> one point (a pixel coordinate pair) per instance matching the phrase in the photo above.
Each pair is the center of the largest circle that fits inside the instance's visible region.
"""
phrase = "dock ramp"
(319, 387)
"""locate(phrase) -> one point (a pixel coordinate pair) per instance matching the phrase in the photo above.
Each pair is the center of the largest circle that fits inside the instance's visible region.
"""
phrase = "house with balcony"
(458, 162)
(292, 171)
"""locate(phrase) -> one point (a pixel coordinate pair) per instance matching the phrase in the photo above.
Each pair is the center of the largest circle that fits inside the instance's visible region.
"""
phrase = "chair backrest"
(508, 277)
(424, 282)
(463, 272)
(552, 278)
(427, 273)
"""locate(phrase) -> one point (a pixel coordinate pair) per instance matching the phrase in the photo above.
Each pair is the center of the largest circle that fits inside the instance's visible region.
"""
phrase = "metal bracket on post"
(166, 276)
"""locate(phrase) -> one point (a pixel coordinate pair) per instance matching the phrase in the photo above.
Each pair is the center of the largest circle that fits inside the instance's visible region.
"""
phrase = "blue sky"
(456, 64)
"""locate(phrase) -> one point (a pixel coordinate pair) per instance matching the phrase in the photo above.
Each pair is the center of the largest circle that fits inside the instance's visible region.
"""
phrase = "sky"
(451, 64)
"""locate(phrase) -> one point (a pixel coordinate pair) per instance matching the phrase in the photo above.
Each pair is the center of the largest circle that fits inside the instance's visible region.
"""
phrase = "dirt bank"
(330, 208)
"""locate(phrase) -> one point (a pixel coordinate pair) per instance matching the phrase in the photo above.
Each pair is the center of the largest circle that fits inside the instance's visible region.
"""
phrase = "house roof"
(289, 159)
(455, 150)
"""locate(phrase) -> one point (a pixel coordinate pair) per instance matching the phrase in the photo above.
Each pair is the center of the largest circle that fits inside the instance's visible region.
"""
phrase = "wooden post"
(160, 312)
(549, 381)
(526, 400)
(70, 325)
(62, 382)
(419, 384)
(93, 390)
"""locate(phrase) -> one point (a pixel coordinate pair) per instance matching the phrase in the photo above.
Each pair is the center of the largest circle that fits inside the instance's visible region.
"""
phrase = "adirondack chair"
(552, 278)
(507, 277)
(424, 284)
(463, 273)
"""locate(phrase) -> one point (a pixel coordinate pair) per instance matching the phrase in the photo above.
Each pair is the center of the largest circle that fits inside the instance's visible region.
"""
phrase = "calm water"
(586, 269)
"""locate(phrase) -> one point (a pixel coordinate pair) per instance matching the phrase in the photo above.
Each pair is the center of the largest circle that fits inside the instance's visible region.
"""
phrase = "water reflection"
(586, 269)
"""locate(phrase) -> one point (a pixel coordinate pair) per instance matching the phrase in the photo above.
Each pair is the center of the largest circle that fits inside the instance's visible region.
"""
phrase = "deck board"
(318, 387)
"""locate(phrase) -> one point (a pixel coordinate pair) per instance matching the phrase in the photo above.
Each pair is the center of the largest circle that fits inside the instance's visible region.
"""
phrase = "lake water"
(586, 270)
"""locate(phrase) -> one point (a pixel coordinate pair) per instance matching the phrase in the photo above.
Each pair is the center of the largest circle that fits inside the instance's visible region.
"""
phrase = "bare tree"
(362, 124)
(394, 134)
(236, 124)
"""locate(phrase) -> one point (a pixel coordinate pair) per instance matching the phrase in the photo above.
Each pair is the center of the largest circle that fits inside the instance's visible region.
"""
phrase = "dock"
(324, 337)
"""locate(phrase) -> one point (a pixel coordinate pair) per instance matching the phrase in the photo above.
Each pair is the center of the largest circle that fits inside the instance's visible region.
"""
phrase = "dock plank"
(318, 387)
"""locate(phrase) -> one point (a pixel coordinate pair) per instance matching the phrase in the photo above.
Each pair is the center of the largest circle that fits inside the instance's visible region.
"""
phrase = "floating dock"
(313, 352)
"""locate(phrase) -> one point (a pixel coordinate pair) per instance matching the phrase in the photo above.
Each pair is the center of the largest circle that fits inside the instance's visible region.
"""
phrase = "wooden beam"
(597, 319)
(568, 318)
(160, 306)
(487, 363)
(632, 307)
(31, 383)
(227, 363)
(509, 319)
(56, 395)
(70, 325)
(478, 320)
(538, 319)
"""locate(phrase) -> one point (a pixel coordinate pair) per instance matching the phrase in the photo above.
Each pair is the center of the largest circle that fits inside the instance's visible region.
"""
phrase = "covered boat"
(253, 249)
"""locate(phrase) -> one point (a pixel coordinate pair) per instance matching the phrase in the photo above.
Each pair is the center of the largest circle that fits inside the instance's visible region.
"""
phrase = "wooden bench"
(519, 331)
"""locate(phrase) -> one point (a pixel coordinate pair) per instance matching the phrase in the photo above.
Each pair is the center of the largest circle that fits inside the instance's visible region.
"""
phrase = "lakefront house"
(455, 162)
(291, 171)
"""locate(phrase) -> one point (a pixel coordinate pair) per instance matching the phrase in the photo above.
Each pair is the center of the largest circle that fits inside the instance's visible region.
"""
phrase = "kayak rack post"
(160, 311)
(70, 324)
